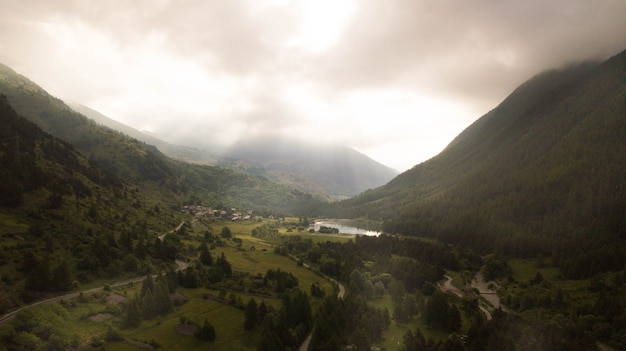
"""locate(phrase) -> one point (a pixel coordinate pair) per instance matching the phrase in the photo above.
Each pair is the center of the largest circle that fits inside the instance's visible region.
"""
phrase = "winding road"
(162, 236)
(447, 287)
(340, 294)
(11, 315)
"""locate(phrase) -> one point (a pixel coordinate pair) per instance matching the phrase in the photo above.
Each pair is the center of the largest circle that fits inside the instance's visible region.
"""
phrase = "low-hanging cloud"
(382, 76)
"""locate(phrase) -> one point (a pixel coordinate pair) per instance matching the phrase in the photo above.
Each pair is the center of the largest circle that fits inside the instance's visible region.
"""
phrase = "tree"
(132, 314)
(453, 320)
(270, 340)
(436, 310)
(224, 265)
(61, 278)
(261, 312)
(147, 285)
(162, 298)
(27, 341)
(39, 278)
(205, 255)
(190, 279)
(226, 233)
(206, 332)
(396, 290)
(250, 315)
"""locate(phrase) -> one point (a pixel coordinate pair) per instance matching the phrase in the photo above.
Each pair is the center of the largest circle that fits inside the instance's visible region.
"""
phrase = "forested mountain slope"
(126, 157)
(542, 172)
(136, 162)
(329, 171)
(182, 153)
(64, 220)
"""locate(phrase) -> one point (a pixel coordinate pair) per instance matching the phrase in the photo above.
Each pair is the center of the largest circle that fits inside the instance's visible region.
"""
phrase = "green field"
(252, 256)
(227, 320)
(393, 336)
(526, 269)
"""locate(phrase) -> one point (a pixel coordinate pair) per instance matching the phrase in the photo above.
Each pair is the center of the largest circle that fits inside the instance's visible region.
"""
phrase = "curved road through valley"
(447, 287)
(11, 315)
(340, 294)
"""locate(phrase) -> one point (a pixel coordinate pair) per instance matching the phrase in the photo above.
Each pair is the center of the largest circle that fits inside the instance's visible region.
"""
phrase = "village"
(202, 212)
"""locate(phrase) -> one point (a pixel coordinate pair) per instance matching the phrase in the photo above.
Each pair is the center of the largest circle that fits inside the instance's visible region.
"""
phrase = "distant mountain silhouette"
(183, 153)
(333, 170)
(330, 171)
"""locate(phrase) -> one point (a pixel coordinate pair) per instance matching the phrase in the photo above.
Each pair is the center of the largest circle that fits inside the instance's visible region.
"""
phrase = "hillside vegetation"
(136, 162)
(542, 173)
(64, 220)
(330, 172)
(527, 207)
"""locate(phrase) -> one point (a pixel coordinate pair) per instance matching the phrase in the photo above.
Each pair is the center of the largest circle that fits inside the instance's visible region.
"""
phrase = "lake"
(344, 229)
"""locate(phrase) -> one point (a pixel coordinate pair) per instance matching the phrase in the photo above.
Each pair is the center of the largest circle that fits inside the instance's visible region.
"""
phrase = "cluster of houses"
(202, 212)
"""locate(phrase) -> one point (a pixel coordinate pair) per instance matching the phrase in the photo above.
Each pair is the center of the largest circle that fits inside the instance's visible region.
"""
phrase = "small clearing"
(100, 317)
(178, 298)
(186, 329)
(115, 299)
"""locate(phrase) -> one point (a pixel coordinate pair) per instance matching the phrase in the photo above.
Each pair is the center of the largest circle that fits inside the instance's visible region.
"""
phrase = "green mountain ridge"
(541, 173)
(330, 172)
(57, 209)
(136, 162)
(182, 153)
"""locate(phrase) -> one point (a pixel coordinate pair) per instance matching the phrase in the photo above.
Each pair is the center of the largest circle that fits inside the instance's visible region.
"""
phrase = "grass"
(322, 238)
(526, 269)
(393, 337)
(227, 320)
(457, 279)
(11, 225)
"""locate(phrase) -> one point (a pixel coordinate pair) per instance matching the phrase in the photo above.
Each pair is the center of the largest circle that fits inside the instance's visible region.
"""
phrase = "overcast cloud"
(396, 80)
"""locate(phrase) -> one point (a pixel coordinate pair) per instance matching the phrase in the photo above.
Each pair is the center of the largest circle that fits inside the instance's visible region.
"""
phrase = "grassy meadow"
(393, 336)
(251, 255)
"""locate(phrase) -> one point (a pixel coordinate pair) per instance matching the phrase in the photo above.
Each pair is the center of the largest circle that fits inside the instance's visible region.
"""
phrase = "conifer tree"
(162, 299)
(147, 285)
(172, 280)
(61, 278)
(206, 332)
(224, 265)
(250, 315)
(39, 278)
(132, 314)
(205, 255)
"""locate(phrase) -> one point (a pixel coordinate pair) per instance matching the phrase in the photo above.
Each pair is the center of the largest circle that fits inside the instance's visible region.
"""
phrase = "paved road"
(488, 294)
(11, 315)
(340, 294)
(447, 287)
(161, 237)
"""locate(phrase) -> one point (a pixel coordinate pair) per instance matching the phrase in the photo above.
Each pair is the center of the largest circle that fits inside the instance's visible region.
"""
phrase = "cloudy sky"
(394, 79)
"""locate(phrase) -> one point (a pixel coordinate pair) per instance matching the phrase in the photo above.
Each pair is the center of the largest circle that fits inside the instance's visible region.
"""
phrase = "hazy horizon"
(396, 80)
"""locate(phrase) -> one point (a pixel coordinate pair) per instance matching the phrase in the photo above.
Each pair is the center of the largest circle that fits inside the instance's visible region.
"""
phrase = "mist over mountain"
(540, 174)
(136, 162)
(183, 153)
(331, 169)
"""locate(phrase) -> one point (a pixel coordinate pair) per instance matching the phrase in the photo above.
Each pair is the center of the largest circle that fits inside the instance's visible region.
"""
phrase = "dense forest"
(136, 162)
(541, 174)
